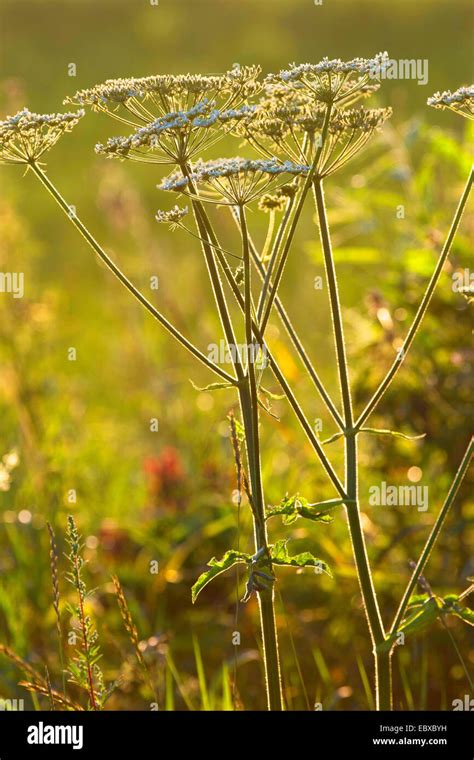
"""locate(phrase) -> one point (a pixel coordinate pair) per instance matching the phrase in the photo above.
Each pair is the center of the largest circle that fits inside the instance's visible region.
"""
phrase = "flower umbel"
(461, 101)
(26, 136)
(176, 137)
(142, 100)
(335, 81)
(236, 181)
(172, 217)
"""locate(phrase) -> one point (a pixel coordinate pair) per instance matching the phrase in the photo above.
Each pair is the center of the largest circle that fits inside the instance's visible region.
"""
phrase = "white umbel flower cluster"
(26, 136)
(175, 137)
(172, 217)
(332, 81)
(461, 101)
(236, 180)
(141, 100)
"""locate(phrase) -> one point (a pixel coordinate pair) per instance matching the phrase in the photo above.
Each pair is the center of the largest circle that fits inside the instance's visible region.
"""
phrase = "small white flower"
(461, 101)
(26, 136)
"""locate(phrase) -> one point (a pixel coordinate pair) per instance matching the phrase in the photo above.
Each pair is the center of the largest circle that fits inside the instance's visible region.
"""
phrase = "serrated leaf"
(218, 566)
(280, 556)
(293, 507)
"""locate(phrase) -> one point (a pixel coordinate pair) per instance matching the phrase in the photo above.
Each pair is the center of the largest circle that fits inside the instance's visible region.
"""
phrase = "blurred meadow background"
(167, 496)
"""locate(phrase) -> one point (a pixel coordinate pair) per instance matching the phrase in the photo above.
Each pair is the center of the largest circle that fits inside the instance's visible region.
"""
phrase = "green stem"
(336, 314)
(300, 349)
(374, 401)
(124, 280)
(273, 258)
(312, 437)
(383, 677)
(432, 538)
(214, 277)
(369, 596)
(250, 399)
(293, 335)
(294, 222)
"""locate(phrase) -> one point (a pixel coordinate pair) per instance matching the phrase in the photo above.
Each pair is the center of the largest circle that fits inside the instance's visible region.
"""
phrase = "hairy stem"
(374, 401)
(294, 222)
(432, 538)
(124, 280)
(369, 596)
(312, 437)
(266, 597)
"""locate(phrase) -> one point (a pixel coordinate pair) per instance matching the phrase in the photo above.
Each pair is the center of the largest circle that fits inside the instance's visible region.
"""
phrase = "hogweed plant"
(298, 128)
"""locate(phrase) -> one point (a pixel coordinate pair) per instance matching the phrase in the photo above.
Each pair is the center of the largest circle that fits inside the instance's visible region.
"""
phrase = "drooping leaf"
(394, 433)
(218, 566)
(270, 394)
(280, 556)
(212, 387)
(268, 410)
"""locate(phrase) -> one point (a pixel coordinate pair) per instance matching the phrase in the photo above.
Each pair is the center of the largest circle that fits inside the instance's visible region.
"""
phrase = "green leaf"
(423, 616)
(218, 566)
(267, 409)
(212, 387)
(394, 433)
(280, 556)
(293, 507)
(452, 607)
(273, 396)
(465, 613)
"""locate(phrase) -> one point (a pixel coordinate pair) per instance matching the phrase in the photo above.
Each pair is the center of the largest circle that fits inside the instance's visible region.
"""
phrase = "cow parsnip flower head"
(461, 101)
(176, 137)
(349, 131)
(335, 81)
(283, 124)
(293, 127)
(173, 217)
(141, 100)
(26, 136)
(233, 181)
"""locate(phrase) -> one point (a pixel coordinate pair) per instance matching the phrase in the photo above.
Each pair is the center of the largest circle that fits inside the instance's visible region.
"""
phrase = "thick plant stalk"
(273, 365)
(249, 406)
(266, 596)
(372, 611)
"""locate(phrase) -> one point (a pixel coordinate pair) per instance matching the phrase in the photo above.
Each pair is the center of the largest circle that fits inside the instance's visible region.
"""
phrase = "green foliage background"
(167, 496)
